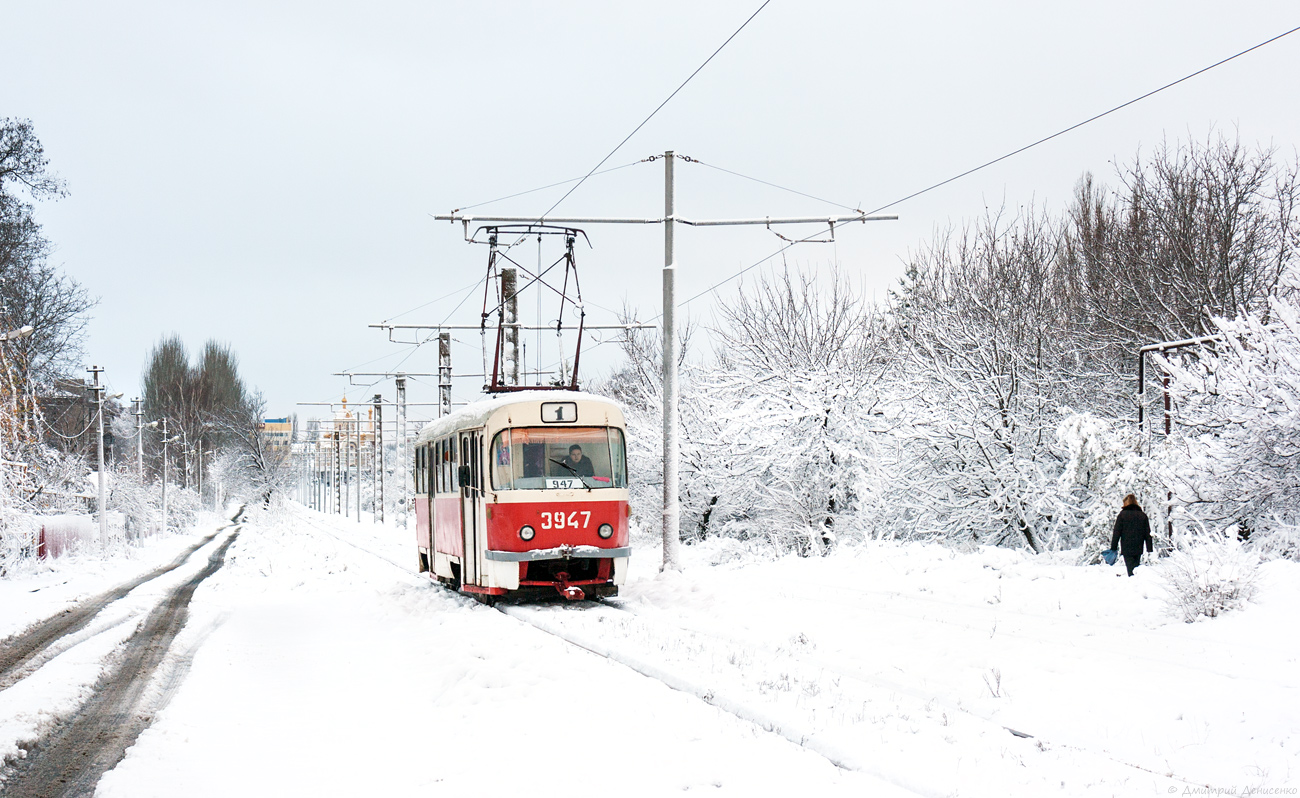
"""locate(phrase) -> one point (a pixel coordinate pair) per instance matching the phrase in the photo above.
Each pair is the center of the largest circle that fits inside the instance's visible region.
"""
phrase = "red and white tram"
(525, 493)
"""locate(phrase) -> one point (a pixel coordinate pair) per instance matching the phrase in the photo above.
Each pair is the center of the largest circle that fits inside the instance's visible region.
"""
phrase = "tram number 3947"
(561, 520)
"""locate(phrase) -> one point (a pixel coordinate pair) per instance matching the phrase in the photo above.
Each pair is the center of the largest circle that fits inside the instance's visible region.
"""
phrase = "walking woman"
(1132, 529)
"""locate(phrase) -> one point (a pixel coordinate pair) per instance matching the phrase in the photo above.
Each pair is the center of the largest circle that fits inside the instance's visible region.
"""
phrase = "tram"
(524, 494)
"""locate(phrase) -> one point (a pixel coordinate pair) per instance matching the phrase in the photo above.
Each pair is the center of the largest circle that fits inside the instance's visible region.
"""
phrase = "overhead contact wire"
(658, 109)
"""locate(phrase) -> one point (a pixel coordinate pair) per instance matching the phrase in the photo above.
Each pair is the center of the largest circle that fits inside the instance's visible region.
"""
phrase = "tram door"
(471, 499)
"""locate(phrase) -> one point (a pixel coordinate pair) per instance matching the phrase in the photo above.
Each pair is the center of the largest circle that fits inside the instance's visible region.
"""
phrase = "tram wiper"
(572, 470)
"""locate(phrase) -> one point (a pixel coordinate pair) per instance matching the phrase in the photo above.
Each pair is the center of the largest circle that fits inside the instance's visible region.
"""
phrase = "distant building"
(277, 433)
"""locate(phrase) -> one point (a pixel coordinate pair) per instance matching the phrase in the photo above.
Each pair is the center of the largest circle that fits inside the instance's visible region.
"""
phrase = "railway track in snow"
(774, 697)
(842, 669)
(1185, 663)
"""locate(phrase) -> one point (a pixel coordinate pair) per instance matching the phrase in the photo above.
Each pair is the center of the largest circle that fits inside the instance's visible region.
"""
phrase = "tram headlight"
(605, 531)
(526, 532)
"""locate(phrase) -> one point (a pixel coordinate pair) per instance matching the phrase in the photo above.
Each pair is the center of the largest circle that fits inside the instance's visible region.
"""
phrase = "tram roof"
(477, 414)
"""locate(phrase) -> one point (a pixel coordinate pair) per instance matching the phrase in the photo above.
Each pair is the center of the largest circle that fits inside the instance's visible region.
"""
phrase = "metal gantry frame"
(671, 456)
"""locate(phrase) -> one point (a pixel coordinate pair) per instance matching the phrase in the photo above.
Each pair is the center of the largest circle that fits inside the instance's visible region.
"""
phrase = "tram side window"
(435, 473)
(453, 483)
(418, 468)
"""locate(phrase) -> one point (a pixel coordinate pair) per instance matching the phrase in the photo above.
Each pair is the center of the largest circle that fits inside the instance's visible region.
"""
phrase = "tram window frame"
(444, 484)
(514, 472)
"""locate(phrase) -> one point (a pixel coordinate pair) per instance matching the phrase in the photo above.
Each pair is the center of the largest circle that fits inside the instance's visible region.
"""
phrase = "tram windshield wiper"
(572, 470)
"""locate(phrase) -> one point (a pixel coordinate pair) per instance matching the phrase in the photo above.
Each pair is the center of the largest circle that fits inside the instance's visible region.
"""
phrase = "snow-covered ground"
(315, 662)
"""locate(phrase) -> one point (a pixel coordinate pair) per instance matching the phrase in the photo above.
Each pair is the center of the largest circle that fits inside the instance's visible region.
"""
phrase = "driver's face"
(576, 455)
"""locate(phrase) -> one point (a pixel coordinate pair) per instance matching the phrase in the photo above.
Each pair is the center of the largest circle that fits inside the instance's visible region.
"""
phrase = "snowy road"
(314, 662)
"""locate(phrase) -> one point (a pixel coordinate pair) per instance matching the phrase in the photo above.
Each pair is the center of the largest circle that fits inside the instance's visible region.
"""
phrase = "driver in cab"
(577, 464)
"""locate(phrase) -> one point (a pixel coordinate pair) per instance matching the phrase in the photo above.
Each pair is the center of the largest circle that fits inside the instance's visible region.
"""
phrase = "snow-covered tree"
(1238, 417)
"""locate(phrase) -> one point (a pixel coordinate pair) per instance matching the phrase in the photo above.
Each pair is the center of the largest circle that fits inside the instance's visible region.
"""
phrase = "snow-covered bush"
(17, 538)
(183, 505)
(1208, 578)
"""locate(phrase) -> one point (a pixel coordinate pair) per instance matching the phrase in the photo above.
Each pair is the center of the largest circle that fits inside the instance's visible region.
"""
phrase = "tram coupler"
(570, 592)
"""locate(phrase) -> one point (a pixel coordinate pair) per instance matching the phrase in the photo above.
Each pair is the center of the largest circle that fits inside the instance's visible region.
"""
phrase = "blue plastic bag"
(1110, 555)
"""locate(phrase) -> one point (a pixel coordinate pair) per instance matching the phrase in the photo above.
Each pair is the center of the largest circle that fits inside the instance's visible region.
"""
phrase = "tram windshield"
(552, 458)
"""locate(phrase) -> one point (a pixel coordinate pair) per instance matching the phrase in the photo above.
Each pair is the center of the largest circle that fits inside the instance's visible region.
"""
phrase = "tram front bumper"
(557, 553)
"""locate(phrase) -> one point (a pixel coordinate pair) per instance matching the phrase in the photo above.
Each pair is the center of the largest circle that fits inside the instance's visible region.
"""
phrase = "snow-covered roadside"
(45, 587)
(324, 670)
(1088, 663)
(73, 664)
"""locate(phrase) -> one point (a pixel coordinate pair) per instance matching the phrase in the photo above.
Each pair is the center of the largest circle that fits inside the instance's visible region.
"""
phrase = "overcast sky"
(264, 174)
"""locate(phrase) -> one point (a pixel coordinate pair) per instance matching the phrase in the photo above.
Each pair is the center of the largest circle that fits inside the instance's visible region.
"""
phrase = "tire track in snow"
(21, 654)
(69, 761)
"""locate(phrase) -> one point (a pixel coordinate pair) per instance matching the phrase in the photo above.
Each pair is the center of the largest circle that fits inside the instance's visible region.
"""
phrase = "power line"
(774, 185)
(913, 195)
(376, 360)
(552, 185)
(656, 110)
(432, 301)
(1086, 121)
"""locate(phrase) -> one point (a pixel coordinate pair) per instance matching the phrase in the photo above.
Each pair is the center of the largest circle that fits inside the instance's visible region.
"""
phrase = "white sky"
(264, 173)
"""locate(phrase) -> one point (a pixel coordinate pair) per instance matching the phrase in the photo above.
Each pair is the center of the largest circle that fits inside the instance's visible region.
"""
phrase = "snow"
(315, 662)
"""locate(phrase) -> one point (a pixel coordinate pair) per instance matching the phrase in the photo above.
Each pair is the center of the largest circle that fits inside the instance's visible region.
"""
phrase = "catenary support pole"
(510, 308)
(403, 462)
(670, 508)
(377, 459)
(444, 374)
(357, 437)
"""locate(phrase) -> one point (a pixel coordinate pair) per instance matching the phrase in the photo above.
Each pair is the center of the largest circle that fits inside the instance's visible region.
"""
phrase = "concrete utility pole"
(672, 507)
(99, 448)
(338, 473)
(165, 441)
(377, 460)
(670, 388)
(138, 412)
(444, 374)
(510, 323)
(403, 469)
(357, 437)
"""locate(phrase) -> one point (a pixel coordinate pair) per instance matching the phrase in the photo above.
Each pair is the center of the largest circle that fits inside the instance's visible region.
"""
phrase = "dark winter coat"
(1132, 530)
(582, 468)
